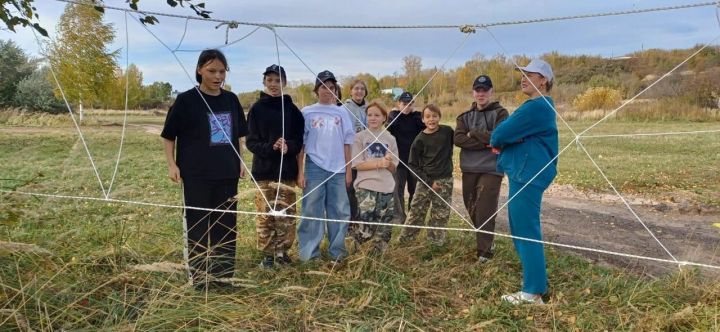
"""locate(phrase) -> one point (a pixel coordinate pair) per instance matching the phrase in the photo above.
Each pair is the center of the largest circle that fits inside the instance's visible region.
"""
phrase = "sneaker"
(268, 262)
(483, 259)
(522, 298)
(283, 259)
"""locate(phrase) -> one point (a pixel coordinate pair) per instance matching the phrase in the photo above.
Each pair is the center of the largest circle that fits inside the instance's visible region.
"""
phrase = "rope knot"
(468, 28)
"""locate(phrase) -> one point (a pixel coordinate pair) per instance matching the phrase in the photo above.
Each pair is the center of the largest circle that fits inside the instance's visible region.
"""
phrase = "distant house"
(395, 92)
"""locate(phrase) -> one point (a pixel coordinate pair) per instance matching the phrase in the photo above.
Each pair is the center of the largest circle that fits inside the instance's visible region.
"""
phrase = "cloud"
(380, 51)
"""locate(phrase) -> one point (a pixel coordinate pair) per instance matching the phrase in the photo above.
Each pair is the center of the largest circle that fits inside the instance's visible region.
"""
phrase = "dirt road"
(604, 222)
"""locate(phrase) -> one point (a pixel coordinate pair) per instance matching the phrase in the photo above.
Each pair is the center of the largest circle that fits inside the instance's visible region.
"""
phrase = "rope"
(568, 246)
(376, 138)
(517, 66)
(125, 114)
(418, 26)
(578, 136)
(654, 134)
(225, 134)
(72, 116)
(625, 201)
(464, 28)
(217, 47)
(650, 86)
(282, 119)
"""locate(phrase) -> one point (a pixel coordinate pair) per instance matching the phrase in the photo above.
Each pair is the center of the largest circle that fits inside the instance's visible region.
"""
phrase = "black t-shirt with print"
(203, 138)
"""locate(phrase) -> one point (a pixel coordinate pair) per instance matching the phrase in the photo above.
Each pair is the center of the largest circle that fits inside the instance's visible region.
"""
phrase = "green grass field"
(85, 279)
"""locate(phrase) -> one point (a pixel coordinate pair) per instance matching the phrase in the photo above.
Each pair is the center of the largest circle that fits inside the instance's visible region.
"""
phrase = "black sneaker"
(283, 259)
(268, 262)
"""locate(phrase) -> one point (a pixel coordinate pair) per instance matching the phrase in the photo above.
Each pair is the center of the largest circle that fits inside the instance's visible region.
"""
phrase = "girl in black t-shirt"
(201, 140)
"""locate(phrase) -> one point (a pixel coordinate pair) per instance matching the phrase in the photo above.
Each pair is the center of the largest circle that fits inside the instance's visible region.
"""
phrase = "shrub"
(36, 94)
(597, 98)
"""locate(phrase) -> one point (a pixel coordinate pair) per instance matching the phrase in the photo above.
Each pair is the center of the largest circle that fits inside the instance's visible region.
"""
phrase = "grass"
(674, 168)
(87, 280)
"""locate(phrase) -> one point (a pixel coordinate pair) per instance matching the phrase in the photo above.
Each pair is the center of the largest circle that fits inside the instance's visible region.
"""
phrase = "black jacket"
(405, 128)
(265, 126)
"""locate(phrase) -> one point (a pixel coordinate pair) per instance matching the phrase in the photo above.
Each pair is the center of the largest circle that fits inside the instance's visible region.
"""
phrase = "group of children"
(352, 160)
(346, 163)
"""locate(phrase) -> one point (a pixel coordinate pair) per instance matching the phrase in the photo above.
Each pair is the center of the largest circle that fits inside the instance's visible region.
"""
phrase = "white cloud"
(347, 51)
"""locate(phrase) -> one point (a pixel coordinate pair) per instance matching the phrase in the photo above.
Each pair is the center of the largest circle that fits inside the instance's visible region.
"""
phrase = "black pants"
(480, 195)
(352, 198)
(211, 235)
(403, 177)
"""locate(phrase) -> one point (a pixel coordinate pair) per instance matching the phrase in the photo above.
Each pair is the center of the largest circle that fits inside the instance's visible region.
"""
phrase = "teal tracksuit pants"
(524, 217)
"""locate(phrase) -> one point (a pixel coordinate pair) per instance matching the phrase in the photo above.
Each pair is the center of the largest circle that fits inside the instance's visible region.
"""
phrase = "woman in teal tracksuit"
(528, 144)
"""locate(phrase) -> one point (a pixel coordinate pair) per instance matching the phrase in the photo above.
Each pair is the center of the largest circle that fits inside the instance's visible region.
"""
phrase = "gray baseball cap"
(541, 67)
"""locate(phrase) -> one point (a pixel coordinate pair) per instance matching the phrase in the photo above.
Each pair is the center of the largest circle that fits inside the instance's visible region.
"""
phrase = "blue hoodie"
(529, 142)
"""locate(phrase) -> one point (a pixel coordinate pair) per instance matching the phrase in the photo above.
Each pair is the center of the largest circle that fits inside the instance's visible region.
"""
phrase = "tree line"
(696, 83)
(90, 74)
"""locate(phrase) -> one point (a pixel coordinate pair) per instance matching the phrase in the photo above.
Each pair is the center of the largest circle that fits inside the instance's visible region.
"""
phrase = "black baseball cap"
(276, 70)
(405, 97)
(323, 76)
(482, 82)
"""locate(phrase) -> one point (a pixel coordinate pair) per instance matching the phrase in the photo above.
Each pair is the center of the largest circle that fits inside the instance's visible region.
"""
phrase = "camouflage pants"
(425, 200)
(374, 207)
(275, 233)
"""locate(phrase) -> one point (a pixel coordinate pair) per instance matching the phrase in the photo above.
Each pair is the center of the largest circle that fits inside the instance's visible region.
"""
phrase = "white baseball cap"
(541, 67)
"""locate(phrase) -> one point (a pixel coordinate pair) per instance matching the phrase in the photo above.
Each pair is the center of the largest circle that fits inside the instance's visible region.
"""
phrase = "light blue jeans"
(327, 200)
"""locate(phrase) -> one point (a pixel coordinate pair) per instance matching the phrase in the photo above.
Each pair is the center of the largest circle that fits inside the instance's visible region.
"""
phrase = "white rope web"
(578, 137)
(576, 140)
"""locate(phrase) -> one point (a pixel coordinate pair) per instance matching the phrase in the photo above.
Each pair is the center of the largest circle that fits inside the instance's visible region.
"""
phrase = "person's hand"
(174, 173)
(435, 186)
(243, 171)
(301, 180)
(383, 163)
(280, 145)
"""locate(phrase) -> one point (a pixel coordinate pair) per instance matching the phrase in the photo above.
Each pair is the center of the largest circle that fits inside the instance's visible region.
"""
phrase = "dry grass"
(92, 280)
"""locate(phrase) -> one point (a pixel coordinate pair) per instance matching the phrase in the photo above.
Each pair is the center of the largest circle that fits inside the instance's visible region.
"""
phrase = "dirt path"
(571, 217)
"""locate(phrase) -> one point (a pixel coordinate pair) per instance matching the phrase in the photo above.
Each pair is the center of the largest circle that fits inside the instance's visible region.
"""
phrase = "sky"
(380, 51)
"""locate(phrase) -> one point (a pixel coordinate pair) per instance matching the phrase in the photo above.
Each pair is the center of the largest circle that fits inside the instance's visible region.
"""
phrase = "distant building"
(395, 92)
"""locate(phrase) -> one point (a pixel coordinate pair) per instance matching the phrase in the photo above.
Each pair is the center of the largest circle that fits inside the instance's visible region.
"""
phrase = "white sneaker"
(522, 298)
(482, 259)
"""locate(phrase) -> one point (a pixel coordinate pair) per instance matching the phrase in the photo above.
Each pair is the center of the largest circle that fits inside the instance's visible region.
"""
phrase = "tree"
(133, 77)
(85, 69)
(412, 64)
(35, 93)
(14, 66)
(24, 12)
(156, 95)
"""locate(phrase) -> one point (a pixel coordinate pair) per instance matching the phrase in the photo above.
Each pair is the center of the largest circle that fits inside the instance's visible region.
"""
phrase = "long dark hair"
(207, 56)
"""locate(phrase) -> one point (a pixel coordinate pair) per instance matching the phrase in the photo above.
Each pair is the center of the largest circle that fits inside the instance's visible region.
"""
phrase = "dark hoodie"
(265, 126)
(472, 135)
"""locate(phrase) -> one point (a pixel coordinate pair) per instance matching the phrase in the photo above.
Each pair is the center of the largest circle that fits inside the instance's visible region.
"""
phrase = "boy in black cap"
(480, 178)
(275, 138)
(405, 124)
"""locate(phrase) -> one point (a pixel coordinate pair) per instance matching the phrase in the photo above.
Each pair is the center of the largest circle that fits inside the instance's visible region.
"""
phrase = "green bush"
(597, 98)
(36, 94)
